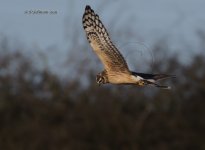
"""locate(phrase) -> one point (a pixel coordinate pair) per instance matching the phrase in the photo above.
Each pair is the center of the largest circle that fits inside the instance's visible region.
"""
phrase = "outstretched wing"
(99, 40)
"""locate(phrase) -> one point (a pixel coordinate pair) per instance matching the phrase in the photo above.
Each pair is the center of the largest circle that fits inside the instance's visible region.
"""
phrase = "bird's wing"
(99, 40)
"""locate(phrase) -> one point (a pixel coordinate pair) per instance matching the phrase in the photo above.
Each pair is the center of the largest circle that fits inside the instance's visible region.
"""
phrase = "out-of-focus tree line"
(40, 111)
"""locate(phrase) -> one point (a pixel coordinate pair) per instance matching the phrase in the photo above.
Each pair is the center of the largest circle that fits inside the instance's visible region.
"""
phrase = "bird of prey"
(116, 70)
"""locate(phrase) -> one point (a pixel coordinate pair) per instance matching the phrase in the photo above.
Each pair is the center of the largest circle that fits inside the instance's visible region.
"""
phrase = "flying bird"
(116, 70)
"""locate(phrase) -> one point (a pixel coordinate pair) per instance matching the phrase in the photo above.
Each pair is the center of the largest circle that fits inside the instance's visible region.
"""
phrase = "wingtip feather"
(87, 7)
(168, 88)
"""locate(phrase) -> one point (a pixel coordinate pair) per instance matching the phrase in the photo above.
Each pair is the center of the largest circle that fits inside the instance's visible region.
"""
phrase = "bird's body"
(116, 69)
(122, 78)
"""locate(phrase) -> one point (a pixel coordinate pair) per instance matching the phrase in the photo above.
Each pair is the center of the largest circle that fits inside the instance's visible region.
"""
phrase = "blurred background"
(48, 95)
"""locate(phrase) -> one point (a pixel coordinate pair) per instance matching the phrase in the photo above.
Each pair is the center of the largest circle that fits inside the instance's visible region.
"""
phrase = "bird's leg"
(142, 82)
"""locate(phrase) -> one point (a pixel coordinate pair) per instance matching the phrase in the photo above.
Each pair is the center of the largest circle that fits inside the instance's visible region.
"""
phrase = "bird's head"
(100, 79)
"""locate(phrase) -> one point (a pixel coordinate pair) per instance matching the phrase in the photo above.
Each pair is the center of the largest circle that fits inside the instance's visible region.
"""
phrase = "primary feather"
(99, 40)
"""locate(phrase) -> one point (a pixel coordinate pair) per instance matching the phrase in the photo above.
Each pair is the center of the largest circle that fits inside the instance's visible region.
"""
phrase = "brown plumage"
(116, 69)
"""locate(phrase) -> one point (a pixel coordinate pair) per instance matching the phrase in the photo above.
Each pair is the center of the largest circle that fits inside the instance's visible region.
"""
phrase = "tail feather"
(155, 77)
(157, 85)
(150, 79)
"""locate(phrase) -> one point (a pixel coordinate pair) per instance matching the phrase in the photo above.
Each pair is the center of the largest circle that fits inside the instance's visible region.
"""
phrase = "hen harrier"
(116, 70)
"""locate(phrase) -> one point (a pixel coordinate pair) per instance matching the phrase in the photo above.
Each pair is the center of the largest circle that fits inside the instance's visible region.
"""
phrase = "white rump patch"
(151, 80)
(137, 78)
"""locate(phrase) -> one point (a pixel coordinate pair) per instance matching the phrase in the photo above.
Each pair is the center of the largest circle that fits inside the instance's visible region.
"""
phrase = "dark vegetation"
(38, 111)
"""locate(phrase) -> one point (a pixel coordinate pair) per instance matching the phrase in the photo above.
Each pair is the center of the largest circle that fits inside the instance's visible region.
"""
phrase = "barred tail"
(155, 77)
(151, 79)
(147, 82)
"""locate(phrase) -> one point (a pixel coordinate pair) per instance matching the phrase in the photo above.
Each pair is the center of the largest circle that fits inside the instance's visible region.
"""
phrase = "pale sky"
(150, 19)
